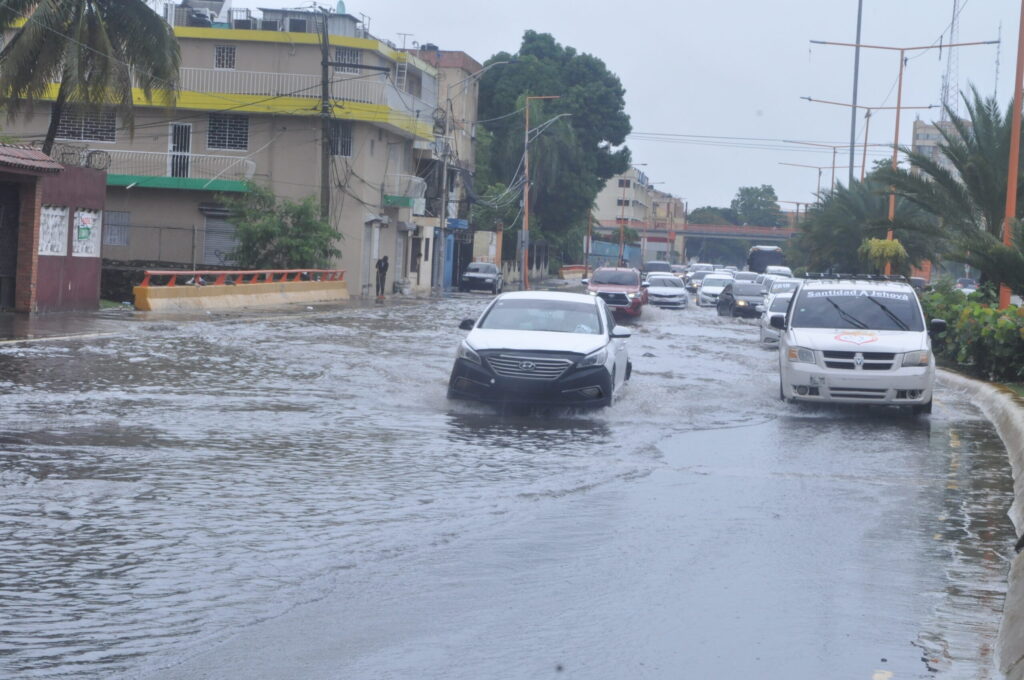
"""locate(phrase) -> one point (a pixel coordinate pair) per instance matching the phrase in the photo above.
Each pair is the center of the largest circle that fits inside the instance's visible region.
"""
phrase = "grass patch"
(110, 304)
(1016, 387)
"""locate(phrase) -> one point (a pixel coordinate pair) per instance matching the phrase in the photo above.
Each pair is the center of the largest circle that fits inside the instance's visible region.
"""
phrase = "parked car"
(767, 334)
(481, 275)
(664, 290)
(542, 348)
(620, 288)
(711, 287)
(740, 298)
(857, 341)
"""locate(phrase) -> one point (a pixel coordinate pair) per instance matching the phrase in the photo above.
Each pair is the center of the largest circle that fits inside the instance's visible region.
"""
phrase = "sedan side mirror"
(937, 326)
(584, 281)
(778, 322)
(621, 332)
(759, 308)
(467, 324)
(645, 284)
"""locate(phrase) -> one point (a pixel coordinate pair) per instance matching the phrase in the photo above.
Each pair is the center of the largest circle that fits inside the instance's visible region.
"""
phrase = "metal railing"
(221, 277)
(410, 186)
(163, 164)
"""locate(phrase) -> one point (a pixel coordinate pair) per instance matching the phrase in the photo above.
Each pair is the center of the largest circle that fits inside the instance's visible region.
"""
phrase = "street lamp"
(442, 252)
(899, 103)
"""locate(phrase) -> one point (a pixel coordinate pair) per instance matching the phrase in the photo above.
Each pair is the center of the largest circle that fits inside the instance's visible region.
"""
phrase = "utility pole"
(325, 121)
(525, 281)
(856, 75)
(1011, 177)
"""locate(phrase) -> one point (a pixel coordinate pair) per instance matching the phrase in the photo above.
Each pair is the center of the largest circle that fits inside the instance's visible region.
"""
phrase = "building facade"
(249, 109)
(630, 201)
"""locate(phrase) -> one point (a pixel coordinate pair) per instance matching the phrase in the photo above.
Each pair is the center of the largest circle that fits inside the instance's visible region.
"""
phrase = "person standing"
(382, 275)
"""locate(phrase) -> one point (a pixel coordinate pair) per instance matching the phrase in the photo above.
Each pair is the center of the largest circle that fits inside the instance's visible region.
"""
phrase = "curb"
(1005, 409)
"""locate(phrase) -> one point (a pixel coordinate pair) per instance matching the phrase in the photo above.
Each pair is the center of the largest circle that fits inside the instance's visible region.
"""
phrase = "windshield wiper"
(846, 316)
(892, 315)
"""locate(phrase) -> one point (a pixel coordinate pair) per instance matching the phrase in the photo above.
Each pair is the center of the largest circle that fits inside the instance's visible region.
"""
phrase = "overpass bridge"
(660, 231)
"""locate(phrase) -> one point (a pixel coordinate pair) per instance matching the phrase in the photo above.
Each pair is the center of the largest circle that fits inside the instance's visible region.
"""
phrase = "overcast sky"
(732, 68)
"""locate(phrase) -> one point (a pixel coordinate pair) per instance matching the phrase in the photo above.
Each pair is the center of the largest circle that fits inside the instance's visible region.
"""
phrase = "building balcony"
(178, 170)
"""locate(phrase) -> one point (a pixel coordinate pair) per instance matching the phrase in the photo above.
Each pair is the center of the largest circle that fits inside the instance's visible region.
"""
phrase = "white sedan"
(542, 348)
(774, 306)
(667, 291)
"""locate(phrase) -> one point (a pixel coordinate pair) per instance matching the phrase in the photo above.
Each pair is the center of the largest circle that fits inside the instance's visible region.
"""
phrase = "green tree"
(94, 49)
(969, 199)
(830, 236)
(758, 206)
(712, 215)
(279, 234)
(571, 160)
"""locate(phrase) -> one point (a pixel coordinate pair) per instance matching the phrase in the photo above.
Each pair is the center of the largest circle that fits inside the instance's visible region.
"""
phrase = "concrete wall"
(1006, 410)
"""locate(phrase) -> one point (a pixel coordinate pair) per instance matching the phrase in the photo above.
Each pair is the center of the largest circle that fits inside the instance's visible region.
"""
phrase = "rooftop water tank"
(341, 6)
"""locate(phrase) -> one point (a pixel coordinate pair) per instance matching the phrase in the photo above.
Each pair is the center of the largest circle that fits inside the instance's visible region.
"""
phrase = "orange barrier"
(573, 271)
(227, 277)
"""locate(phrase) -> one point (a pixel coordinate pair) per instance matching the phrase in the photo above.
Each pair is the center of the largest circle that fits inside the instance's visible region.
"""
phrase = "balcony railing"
(197, 166)
(409, 186)
(376, 90)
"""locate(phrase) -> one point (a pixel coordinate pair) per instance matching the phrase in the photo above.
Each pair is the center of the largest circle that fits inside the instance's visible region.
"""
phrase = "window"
(624, 184)
(224, 56)
(116, 231)
(297, 25)
(621, 201)
(348, 55)
(341, 138)
(87, 126)
(228, 131)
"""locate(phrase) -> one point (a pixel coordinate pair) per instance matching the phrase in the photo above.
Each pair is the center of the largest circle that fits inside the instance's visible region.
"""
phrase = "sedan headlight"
(632, 296)
(594, 358)
(592, 292)
(468, 353)
(800, 355)
(920, 358)
(741, 303)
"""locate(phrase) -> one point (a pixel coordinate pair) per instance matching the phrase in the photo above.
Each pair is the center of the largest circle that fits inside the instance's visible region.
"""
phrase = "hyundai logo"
(527, 365)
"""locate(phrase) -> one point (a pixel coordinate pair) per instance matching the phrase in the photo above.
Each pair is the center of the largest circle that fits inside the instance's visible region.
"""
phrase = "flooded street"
(295, 497)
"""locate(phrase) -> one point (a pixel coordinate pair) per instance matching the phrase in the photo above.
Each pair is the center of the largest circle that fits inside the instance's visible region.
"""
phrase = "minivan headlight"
(594, 358)
(800, 355)
(468, 353)
(919, 358)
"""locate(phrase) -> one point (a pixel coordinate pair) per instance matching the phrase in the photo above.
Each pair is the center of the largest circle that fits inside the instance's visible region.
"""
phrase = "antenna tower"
(950, 81)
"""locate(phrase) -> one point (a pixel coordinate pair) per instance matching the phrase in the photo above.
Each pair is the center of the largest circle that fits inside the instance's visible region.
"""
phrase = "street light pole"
(1011, 176)
(856, 76)
(525, 281)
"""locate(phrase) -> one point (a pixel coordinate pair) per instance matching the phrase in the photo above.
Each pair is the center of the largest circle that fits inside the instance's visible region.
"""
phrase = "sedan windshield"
(861, 309)
(616, 278)
(716, 281)
(482, 268)
(747, 289)
(665, 282)
(557, 316)
(658, 267)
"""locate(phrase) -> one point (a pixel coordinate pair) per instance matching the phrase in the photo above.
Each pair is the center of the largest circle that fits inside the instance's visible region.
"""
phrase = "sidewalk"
(18, 327)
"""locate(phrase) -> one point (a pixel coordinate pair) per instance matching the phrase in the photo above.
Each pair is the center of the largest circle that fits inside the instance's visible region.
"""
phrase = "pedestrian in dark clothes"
(382, 275)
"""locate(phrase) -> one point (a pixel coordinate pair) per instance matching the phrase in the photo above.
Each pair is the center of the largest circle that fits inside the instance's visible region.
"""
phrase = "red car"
(620, 288)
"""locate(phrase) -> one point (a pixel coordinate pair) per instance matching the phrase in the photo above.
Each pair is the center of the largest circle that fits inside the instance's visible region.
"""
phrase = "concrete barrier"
(189, 298)
(1005, 409)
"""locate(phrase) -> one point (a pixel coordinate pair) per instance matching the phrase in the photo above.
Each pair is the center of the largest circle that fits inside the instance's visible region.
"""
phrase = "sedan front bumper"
(591, 386)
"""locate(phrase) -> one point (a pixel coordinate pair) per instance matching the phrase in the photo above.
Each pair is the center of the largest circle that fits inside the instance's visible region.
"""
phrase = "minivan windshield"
(557, 316)
(616, 278)
(482, 268)
(850, 308)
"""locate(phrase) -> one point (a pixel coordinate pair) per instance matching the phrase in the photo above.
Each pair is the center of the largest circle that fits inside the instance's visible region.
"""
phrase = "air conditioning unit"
(243, 24)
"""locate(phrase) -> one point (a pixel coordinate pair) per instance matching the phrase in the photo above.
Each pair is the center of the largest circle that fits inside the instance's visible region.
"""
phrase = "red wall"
(68, 282)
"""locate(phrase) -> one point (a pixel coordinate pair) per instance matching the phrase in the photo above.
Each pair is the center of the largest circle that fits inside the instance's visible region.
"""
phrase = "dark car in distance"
(481, 276)
(740, 299)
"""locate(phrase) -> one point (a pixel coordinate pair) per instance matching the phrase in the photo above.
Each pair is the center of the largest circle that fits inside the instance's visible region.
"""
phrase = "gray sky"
(732, 69)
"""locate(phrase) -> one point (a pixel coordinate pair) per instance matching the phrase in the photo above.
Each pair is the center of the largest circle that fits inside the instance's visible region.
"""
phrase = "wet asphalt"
(292, 496)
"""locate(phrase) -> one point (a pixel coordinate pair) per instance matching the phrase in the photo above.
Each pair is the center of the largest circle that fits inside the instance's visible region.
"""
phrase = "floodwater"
(295, 497)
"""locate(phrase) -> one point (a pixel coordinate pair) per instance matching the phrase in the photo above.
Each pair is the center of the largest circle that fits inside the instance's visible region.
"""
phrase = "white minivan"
(857, 340)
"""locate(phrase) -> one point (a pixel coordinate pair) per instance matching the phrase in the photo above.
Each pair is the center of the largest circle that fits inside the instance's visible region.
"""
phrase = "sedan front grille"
(533, 368)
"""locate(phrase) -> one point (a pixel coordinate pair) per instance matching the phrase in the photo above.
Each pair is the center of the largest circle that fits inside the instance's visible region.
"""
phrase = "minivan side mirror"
(778, 322)
(467, 324)
(937, 326)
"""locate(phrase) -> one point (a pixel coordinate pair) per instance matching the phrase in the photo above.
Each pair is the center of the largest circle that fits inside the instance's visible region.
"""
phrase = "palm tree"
(95, 49)
(970, 199)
